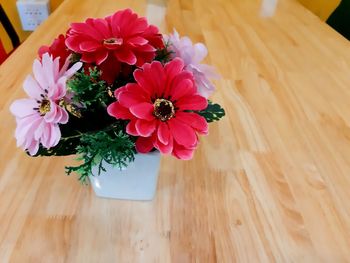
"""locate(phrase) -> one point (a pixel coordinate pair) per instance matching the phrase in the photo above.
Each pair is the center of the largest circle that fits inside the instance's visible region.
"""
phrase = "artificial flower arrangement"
(113, 87)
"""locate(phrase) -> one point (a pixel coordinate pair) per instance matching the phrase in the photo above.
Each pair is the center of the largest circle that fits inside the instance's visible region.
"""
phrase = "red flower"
(57, 49)
(121, 38)
(158, 108)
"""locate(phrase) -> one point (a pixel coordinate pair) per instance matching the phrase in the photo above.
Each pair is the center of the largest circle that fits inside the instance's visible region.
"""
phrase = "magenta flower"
(38, 117)
(158, 106)
(192, 55)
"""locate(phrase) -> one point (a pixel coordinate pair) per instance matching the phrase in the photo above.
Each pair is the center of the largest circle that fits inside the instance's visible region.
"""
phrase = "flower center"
(112, 42)
(44, 107)
(163, 109)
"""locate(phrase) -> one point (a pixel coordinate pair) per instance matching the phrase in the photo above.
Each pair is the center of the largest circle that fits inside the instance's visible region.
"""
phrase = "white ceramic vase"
(136, 182)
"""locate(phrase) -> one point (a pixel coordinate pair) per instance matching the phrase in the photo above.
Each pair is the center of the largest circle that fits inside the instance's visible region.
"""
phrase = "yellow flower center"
(163, 109)
(44, 107)
(113, 42)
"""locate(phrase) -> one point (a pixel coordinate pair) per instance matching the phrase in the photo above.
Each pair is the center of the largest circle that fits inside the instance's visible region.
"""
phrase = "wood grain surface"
(271, 183)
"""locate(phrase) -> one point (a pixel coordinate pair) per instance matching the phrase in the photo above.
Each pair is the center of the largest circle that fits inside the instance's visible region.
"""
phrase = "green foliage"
(113, 147)
(88, 89)
(213, 112)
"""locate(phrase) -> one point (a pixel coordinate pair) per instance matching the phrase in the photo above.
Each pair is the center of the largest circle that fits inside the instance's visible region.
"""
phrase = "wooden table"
(271, 183)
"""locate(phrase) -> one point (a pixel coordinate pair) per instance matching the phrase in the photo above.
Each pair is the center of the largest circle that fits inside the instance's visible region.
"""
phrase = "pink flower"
(192, 55)
(121, 38)
(158, 107)
(38, 117)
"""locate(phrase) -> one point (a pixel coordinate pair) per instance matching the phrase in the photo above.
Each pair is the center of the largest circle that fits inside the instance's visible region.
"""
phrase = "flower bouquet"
(113, 89)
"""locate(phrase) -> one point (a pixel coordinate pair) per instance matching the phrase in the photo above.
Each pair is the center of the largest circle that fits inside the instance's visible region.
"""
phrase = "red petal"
(174, 67)
(183, 153)
(88, 57)
(182, 88)
(138, 26)
(157, 76)
(129, 99)
(143, 111)
(118, 111)
(125, 55)
(196, 121)
(144, 145)
(165, 148)
(89, 46)
(86, 29)
(131, 129)
(182, 133)
(110, 69)
(42, 50)
(102, 26)
(101, 56)
(145, 128)
(144, 57)
(73, 43)
(137, 40)
(146, 49)
(163, 133)
(195, 102)
(141, 79)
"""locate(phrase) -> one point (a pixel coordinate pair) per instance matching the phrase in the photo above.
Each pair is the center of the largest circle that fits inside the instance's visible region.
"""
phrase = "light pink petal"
(39, 74)
(39, 130)
(55, 135)
(51, 135)
(48, 68)
(200, 52)
(33, 147)
(204, 87)
(58, 90)
(32, 88)
(45, 137)
(72, 70)
(25, 132)
(64, 116)
(23, 107)
(52, 115)
(208, 71)
(56, 68)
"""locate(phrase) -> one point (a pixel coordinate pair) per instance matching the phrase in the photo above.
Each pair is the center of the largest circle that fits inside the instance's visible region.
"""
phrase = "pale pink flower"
(38, 117)
(192, 55)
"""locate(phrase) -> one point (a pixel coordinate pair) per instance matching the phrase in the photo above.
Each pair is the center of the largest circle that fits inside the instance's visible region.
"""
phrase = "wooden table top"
(271, 183)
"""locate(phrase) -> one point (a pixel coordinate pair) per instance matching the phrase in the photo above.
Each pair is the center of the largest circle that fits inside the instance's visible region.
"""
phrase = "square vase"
(138, 181)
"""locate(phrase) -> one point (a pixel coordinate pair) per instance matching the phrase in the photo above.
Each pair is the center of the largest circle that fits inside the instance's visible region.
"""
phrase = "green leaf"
(89, 89)
(213, 112)
(113, 147)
